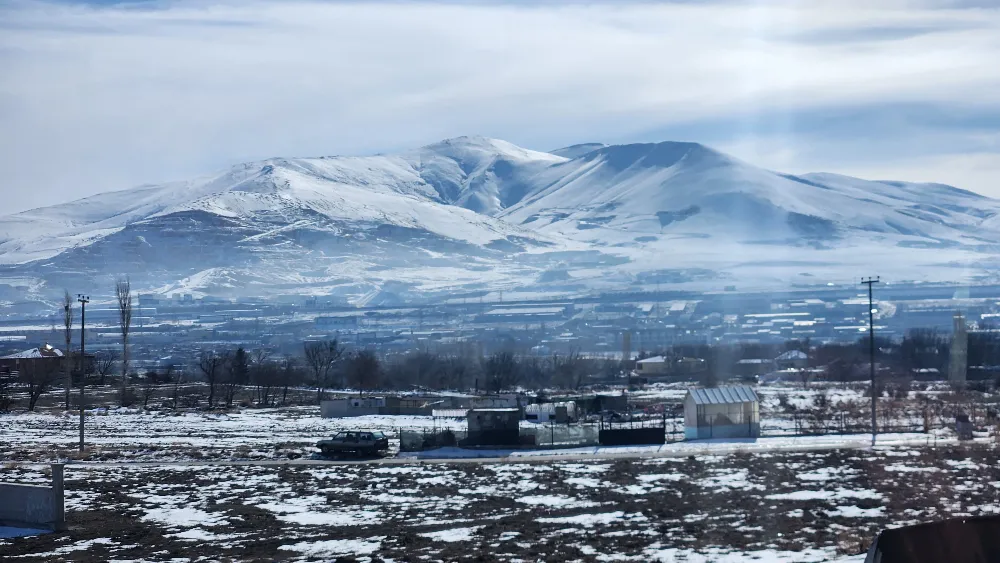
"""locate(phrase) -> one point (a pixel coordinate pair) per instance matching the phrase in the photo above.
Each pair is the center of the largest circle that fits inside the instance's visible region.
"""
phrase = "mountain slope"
(614, 194)
(473, 214)
(576, 151)
(484, 175)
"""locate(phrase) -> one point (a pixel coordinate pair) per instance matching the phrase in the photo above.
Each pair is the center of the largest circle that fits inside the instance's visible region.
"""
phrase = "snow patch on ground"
(330, 548)
(453, 534)
(855, 512)
(826, 495)
(588, 520)
(555, 501)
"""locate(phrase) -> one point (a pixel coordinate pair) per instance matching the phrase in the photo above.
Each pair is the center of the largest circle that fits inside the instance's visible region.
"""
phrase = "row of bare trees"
(329, 365)
(500, 371)
(106, 360)
(229, 372)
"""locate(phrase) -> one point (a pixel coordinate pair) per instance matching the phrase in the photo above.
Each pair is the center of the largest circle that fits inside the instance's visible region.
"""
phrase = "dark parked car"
(355, 442)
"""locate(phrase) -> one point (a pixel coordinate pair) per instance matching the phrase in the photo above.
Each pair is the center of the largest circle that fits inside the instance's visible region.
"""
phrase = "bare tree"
(68, 333)
(123, 293)
(264, 375)
(178, 379)
(804, 376)
(104, 362)
(289, 376)
(148, 388)
(321, 356)
(569, 370)
(501, 371)
(38, 376)
(363, 370)
(236, 374)
(6, 397)
(211, 366)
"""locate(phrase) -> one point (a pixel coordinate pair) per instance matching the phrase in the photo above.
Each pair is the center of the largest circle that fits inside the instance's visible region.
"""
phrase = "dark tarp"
(962, 540)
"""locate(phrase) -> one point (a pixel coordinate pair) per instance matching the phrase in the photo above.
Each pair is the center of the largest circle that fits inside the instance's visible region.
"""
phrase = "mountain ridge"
(474, 213)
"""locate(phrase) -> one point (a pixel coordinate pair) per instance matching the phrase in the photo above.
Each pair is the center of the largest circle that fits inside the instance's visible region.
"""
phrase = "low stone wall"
(34, 506)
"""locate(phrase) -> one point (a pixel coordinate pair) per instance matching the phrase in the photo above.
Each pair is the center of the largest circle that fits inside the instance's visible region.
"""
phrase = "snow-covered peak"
(657, 155)
(473, 151)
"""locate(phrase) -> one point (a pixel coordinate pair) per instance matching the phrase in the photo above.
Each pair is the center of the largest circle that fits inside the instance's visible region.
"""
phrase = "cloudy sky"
(98, 96)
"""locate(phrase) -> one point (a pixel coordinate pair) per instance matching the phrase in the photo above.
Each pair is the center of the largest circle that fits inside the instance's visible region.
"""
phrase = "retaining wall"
(34, 506)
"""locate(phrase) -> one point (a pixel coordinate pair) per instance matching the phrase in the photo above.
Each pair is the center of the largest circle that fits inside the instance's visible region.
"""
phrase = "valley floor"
(763, 506)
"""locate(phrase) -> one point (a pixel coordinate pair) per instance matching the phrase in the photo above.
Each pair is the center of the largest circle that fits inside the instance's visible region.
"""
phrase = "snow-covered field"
(280, 433)
(765, 506)
(152, 435)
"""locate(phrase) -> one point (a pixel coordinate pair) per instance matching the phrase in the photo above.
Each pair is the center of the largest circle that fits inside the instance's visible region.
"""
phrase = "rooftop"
(724, 395)
(793, 355)
(653, 360)
(45, 351)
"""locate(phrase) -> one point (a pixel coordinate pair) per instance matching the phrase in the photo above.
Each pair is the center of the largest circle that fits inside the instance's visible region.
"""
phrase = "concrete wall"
(336, 408)
(34, 506)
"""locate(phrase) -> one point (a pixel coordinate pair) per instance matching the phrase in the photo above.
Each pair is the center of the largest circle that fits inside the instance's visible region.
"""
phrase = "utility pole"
(871, 347)
(83, 299)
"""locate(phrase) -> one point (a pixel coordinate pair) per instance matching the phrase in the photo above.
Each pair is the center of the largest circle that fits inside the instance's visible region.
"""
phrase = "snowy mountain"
(616, 192)
(472, 214)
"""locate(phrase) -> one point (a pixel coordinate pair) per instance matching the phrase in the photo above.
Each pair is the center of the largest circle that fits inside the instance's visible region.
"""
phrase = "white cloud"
(93, 99)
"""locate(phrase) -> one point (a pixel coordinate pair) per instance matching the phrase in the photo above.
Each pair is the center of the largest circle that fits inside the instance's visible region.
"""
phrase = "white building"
(551, 412)
(651, 366)
(354, 406)
(721, 412)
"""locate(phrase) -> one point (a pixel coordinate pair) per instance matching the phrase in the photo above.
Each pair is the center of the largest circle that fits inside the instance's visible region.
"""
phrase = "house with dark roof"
(42, 355)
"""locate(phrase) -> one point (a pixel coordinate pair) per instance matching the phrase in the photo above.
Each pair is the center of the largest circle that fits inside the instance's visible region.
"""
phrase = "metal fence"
(429, 439)
(561, 435)
(805, 425)
(557, 435)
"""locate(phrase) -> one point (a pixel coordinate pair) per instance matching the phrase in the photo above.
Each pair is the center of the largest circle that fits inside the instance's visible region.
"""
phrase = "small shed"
(721, 412)
(494, 427)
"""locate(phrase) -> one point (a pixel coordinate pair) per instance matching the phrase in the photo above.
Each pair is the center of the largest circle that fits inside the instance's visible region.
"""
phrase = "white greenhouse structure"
(721, 412)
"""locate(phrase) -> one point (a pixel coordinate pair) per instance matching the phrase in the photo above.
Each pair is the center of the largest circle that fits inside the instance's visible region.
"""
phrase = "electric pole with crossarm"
(83, 299)
(871, 347)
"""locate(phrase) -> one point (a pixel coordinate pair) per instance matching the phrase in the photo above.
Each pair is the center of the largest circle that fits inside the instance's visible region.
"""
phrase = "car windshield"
(500, 280)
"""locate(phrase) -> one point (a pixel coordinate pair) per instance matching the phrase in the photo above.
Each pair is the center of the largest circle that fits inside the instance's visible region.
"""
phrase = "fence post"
(58, 505)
